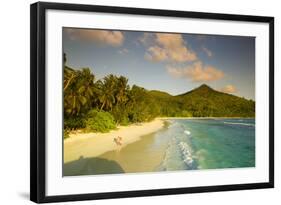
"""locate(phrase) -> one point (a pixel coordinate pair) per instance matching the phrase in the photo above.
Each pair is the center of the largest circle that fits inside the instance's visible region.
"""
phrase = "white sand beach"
(94, 144)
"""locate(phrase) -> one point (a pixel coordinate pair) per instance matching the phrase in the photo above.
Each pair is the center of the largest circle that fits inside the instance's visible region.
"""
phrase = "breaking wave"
(238, 123)
(178, 156)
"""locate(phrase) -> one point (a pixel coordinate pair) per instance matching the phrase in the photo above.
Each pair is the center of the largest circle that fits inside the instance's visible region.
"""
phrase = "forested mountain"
(98, 105)
(204, 102)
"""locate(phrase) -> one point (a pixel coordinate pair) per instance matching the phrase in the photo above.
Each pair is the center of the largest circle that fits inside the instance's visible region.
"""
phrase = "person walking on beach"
(118, 142)
(120, 139)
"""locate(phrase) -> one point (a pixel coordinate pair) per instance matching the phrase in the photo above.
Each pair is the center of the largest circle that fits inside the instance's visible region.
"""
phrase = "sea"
(209, 144)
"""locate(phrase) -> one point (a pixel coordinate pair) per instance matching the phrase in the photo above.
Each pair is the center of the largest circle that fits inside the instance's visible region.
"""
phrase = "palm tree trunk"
(68, 82)
(102, 105)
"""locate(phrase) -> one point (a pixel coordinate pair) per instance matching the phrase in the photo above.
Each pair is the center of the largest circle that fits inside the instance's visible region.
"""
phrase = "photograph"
(142, 101)
(150, 101)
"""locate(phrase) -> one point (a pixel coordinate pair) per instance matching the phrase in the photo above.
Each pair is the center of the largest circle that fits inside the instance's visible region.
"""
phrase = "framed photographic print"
(129, 102)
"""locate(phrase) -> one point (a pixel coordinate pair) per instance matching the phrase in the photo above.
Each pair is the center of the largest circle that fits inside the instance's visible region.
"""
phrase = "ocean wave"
(239, 123)
(186, 154)
(178, 156)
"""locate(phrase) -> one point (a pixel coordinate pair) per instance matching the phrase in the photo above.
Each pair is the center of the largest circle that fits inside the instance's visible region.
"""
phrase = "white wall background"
(14, 100)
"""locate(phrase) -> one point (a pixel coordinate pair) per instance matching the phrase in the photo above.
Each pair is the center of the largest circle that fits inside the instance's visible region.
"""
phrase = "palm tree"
(108, 88)
(78, 91)
(122, 90)
(69, 77)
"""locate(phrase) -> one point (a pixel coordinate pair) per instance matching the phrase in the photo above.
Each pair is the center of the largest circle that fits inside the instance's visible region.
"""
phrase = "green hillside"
(204, 102)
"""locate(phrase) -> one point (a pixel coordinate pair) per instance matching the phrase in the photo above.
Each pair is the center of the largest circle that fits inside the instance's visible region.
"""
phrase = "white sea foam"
(238, 123)
(187, 132)
(178, 156)
(186, 153)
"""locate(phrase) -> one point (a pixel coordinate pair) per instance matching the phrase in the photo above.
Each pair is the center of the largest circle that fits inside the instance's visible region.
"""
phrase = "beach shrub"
(99, 121)
(74, 123)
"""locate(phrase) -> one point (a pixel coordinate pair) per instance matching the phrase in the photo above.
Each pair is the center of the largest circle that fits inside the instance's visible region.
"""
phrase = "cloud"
(112, 38)
(156, 53)
(196, 72)
(123, 51)
(176, 72)
(146, 39)
(229, 89)
(207, 51)
(167, 48)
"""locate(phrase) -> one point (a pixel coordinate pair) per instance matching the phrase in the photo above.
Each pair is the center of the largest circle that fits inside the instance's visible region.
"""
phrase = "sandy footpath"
(94, 144)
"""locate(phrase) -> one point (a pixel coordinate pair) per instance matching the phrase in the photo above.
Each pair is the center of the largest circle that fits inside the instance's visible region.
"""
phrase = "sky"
(169, 62)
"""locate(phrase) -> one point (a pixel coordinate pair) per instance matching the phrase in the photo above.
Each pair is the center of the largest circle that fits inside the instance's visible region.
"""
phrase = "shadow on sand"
(91, 166)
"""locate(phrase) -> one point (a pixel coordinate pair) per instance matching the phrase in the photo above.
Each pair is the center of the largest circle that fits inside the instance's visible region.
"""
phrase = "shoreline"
(190, 118)
(88, 145)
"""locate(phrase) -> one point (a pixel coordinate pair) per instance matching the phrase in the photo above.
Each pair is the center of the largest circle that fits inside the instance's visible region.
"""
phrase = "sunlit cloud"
(112, 38)
(167, 48)
(196, 72)
(229, 89)
(207, 51)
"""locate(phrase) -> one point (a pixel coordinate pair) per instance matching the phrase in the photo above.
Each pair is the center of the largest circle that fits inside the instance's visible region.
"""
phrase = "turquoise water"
(208, 144)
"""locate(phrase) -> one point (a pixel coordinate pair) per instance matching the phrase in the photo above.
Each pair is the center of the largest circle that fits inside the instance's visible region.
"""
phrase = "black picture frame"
(38, 101)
